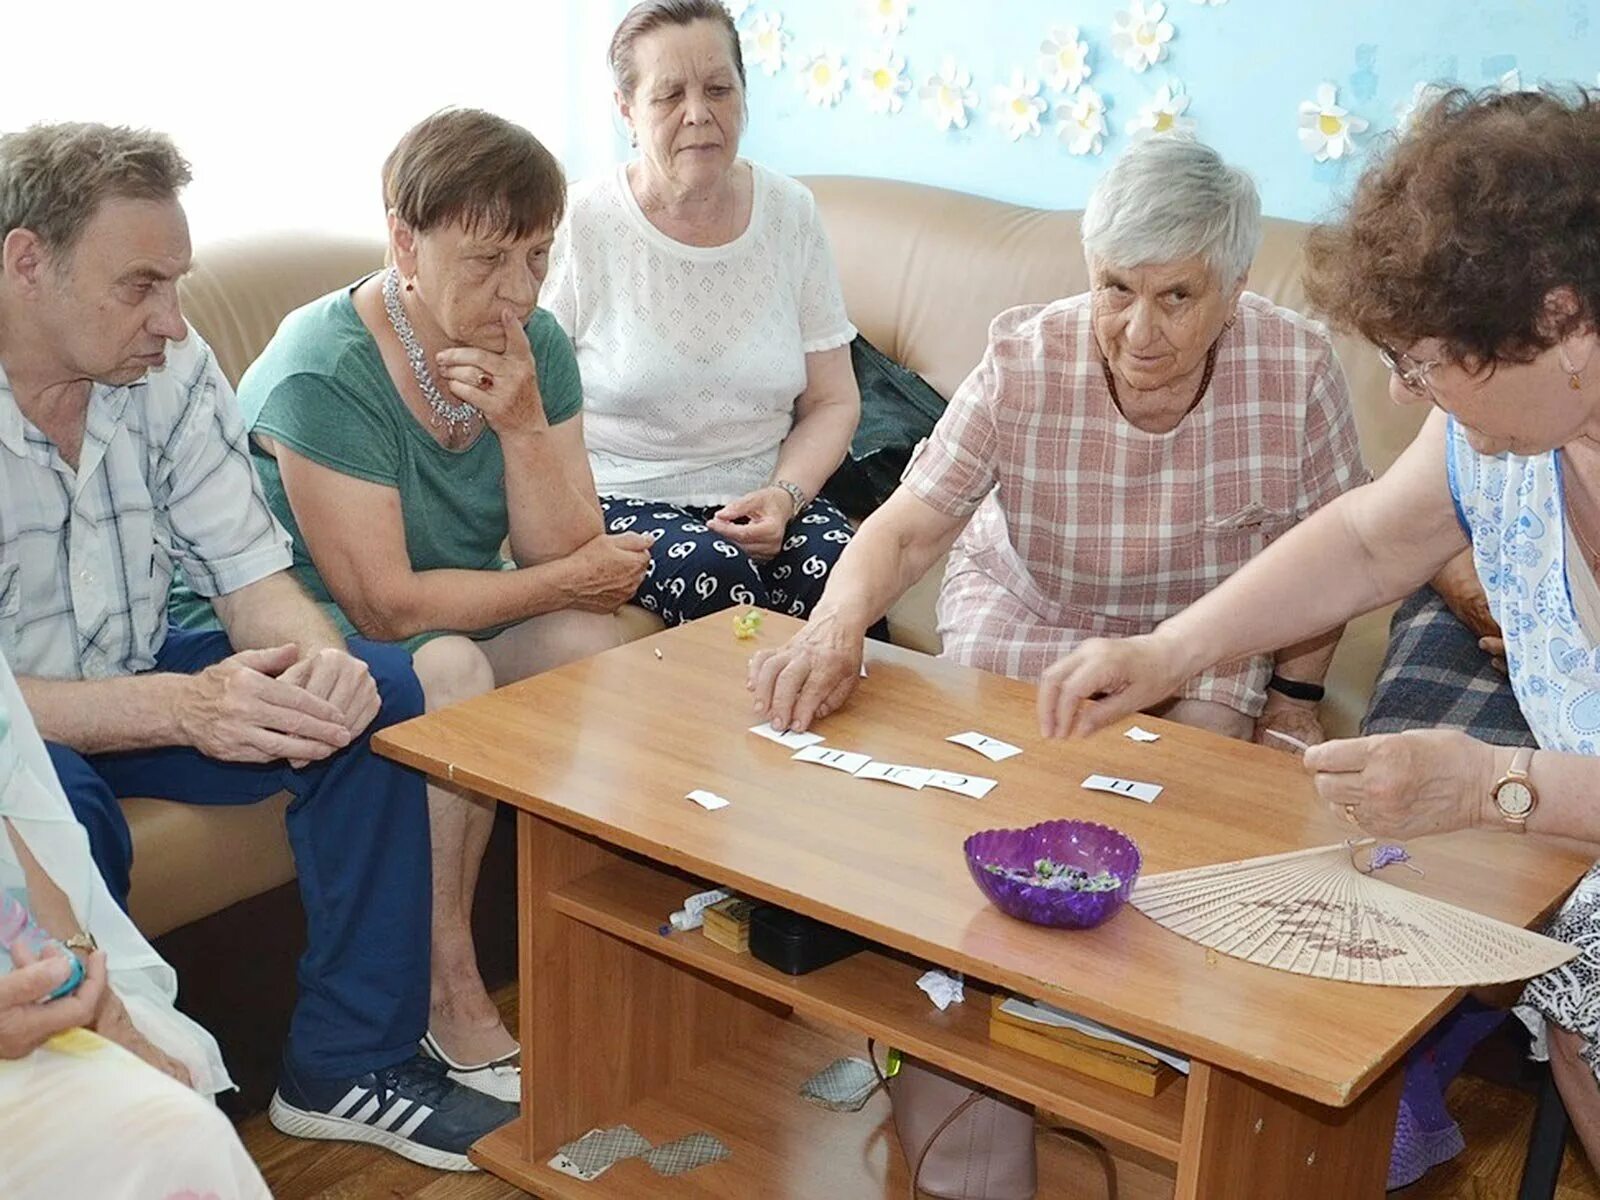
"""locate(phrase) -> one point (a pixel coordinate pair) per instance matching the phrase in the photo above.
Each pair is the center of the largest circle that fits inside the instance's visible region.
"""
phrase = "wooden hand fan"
(1314, 912)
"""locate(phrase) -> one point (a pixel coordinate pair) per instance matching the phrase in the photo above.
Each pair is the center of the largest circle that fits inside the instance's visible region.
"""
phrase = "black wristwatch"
(1296, 689)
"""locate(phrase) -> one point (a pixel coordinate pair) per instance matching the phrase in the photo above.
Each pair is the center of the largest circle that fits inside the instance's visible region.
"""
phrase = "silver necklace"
(448, 413)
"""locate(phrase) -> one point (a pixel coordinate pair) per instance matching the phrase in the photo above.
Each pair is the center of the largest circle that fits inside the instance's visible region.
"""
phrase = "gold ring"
(485, 380)
(1350, 813)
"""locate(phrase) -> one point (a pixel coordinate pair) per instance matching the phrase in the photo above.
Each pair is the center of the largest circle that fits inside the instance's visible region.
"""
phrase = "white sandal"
(499, 1077)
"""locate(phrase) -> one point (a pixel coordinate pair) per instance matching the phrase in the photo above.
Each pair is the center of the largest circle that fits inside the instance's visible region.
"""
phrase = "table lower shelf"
(783, 1146)
(875, 994)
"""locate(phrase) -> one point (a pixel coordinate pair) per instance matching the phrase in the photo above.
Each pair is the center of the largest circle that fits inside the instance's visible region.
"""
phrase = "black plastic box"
(795, 944)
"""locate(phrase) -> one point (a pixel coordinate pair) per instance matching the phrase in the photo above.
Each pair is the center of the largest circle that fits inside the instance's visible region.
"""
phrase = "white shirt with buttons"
(164, 480)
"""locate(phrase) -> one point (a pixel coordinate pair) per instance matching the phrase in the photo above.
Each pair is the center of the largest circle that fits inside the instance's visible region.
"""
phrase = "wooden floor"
(1495, 1120)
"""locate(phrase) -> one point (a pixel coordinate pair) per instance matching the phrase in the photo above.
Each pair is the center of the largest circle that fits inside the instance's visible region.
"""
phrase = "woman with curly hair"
(1470, 256)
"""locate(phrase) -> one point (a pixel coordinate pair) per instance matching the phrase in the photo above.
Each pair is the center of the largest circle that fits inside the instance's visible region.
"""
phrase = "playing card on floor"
(685, 1154)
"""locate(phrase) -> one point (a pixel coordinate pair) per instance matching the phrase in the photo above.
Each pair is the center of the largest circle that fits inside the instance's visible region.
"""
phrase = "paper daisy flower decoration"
(888, 17)
(1423, 96)
(765, 42)
(949, 94)
(736, 8)
(1064, 60)
(822, 78)
(1018, 106)
(883, 81)
(1163, 114)
(1139, 36)
(1082, 122)
(1327, 130)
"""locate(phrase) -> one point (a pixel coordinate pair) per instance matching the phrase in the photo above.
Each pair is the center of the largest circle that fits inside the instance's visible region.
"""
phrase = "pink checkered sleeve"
(1331, 462)
(954, 468)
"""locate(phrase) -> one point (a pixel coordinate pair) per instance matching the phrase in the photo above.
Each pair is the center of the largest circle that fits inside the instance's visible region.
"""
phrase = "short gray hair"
(1169, 198)
(54, 177)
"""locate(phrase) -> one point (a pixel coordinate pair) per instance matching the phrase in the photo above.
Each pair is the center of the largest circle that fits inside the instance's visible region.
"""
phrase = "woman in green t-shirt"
(409, 426)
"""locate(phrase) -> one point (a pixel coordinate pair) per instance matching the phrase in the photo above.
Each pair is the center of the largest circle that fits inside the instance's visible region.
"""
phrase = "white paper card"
(991, 748)
(975, 786)
(1136, 734)
(709, 801)
(911, 777)
(840, 760)
(1123, 787)
(791, 739)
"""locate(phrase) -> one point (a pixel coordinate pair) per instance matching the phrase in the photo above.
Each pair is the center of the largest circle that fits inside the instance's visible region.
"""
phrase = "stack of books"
(727, 924)
(1082, 1045)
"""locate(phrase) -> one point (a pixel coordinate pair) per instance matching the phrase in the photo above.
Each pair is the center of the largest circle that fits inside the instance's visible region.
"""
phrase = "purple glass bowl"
(1083, 844)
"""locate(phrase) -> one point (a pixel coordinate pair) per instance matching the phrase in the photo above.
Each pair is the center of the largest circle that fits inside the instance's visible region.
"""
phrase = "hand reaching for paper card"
(808, 677)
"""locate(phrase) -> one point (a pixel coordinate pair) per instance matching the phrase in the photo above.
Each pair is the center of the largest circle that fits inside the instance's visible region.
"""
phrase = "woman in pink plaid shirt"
(1115, 456)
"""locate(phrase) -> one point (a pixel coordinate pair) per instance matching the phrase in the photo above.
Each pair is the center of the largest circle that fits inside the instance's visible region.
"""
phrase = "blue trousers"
(694, 572)
(358, 826)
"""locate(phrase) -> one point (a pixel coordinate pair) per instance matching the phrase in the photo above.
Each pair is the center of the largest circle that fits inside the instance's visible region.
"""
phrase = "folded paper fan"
(1314, 912)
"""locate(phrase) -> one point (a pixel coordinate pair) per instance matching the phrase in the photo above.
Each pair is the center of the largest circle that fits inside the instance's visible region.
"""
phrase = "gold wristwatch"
(1514, 793)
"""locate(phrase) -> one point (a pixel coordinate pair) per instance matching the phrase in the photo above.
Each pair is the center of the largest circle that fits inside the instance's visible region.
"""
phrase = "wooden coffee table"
(1295, 1082)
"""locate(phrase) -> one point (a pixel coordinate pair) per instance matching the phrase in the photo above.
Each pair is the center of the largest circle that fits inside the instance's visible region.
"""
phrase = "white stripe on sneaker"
(351, 1098)
(393, 1113)
(417, 1118)
(366, 1112)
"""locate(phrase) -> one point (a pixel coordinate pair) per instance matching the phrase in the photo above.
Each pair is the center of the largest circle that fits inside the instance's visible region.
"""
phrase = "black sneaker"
(411, 1108)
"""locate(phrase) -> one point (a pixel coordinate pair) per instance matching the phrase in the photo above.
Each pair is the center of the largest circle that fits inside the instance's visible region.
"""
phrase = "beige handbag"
(962, 1142)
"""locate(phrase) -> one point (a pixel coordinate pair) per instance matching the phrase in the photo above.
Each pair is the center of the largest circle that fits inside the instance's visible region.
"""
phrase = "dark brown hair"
(54, 177)
(1462, 230)
(466, 165)
(650, 15)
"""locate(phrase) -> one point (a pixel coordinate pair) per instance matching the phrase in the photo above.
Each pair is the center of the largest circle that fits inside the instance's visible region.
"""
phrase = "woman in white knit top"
(700, 295)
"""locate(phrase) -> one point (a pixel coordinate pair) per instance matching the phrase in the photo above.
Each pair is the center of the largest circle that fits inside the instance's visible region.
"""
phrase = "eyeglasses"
(1412, 373)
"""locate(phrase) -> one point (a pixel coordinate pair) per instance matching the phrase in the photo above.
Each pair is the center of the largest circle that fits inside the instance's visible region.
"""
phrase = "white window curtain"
(286, 110)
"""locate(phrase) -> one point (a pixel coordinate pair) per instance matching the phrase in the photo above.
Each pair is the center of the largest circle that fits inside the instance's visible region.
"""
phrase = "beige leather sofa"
(924, 270)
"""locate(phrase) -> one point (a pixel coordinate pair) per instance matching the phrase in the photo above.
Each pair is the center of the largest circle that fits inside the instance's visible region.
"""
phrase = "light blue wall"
(1247, 64)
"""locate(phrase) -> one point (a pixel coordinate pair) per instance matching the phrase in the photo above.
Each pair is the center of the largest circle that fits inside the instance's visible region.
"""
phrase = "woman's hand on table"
(1296, 718)
(504, 387)
(27, 1019)
(756, 522)
(808, 677)
(1404, 785)
(1123, 675)
(606, 571)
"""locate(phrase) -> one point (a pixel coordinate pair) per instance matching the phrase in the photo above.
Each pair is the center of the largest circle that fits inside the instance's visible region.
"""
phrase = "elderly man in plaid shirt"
(1113, 458)
(122, 458)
